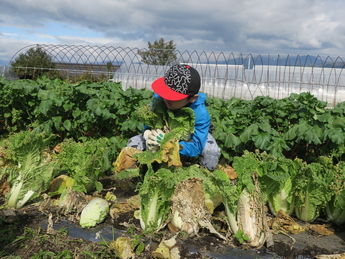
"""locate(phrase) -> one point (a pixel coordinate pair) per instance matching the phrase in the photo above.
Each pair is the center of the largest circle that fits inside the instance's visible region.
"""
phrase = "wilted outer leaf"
(321, 230)
(167, 249)
(336, 256)
(168, 153)
(4, 185)
(283, 222)
(189, 212)
(171, 153)
(59, 184)
(110, 197)
(123, 248)
(125, 159)
(72, 201)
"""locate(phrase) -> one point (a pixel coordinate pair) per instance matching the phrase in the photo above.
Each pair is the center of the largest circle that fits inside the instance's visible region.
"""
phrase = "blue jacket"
(196, 145)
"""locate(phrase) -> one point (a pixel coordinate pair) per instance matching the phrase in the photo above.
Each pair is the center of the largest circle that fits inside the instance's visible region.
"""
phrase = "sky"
(303, 27)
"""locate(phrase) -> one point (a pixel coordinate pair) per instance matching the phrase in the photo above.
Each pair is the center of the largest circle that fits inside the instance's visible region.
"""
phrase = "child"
(180, 88)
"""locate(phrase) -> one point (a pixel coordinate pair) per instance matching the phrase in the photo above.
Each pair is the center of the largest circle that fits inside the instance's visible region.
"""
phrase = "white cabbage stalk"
(26, 198)
(251, 217)
(28, 185)
(152, 216)
(280, 201)
(14, 200)
(336, 215)
(232, 219)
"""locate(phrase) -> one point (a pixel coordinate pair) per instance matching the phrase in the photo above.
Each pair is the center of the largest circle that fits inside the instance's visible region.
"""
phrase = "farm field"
(282, 170)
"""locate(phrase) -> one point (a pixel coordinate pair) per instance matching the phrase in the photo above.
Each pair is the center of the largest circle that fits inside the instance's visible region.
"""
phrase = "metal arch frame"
(220, 69)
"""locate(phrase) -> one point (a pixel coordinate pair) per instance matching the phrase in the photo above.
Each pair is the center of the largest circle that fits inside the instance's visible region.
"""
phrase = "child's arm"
(196, 145)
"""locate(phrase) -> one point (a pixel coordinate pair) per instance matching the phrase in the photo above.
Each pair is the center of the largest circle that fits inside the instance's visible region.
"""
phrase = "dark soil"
(22, 235)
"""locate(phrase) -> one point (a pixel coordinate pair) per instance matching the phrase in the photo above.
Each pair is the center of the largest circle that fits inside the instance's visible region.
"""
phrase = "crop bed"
(279, 189)
(23, 235)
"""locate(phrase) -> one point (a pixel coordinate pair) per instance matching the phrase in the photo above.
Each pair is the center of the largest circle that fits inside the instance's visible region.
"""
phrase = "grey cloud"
(266, 26)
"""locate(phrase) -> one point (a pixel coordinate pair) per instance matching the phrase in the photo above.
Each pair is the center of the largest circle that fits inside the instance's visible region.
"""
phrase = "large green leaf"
(262, 140)
(249, 132)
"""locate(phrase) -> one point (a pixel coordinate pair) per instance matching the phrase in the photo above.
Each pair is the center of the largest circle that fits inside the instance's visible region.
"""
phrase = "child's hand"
(153, 139)
(156, 136)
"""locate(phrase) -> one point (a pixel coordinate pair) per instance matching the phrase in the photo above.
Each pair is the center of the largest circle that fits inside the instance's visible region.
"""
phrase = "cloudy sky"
(315, 27)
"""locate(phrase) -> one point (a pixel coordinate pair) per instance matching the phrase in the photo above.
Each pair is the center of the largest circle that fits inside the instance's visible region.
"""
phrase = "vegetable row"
(288, 154)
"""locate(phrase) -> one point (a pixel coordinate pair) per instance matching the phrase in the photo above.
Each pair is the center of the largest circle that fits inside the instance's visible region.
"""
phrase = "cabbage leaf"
(312, 191)
(277, 177)
(155, 192)
(158, 116)
(158, 187)
(178, 125)
(31, 170)
(335, 208)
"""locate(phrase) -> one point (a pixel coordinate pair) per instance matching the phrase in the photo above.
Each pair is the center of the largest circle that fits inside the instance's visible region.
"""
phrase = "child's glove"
(156, 137)
(153, 139)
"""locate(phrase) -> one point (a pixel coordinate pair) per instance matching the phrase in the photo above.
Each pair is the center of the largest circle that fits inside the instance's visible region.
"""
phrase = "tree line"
(36, 62)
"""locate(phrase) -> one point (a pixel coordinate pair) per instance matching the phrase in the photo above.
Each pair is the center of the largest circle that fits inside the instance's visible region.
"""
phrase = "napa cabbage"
(312, 190)
(29, 184)
(85, 162)
(277, 178)
(244, 201)
(30, 170)
(94, 213)
(335, 208)
(155, 192)
(158, 187)
(179, 123)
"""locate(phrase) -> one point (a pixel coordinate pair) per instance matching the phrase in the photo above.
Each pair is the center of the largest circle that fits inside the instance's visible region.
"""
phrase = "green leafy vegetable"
(85, 162)
(277, 177)
(94, 213)
(30, 171)
(157, 116)
(155, 192)
(312, 191)
(335, 208)
(158, 187)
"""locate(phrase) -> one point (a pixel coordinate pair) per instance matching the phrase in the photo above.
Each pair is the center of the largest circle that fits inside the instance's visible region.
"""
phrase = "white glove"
(153, 139)
(156, 137)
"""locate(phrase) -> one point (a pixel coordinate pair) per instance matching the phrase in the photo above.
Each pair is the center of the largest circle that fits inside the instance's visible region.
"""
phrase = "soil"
(22, 235)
